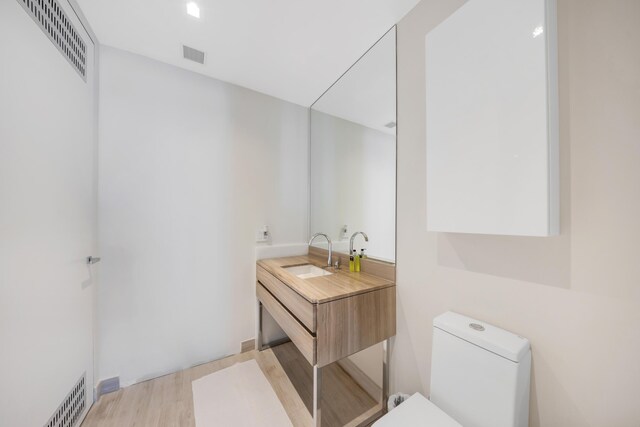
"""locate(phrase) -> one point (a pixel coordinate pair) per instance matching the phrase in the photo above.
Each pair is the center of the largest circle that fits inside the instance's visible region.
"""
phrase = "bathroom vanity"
(328, 313)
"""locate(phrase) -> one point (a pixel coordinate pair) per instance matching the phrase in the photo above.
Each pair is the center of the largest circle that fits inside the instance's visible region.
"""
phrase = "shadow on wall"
(543, 260)
(418, 360)
(571, 413)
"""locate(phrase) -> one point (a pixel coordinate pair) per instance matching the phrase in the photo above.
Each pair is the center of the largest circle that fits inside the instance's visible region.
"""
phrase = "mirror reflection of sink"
(307, 271)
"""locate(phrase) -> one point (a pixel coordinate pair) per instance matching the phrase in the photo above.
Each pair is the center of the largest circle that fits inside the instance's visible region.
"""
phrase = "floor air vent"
(53, 21)
(70, 410)
(192, 54)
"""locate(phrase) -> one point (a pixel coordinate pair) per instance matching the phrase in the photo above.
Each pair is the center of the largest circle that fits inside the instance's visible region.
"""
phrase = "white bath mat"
(238, 396)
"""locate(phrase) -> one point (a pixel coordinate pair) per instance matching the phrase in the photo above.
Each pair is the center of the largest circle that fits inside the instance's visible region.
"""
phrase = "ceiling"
(290, 49)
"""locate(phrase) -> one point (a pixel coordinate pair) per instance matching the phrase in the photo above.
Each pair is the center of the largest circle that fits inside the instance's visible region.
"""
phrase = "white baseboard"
(108, 385)
(247, 345)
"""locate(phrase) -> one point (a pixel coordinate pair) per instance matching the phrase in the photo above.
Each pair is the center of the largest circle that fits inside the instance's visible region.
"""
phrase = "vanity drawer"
(305, 342)
(349, 325)
(300, 307)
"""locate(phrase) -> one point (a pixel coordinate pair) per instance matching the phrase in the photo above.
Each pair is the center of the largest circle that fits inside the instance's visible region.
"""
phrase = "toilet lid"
(416, 411)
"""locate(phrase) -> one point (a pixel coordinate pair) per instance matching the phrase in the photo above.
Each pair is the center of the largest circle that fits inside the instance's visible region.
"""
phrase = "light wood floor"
(168, 401)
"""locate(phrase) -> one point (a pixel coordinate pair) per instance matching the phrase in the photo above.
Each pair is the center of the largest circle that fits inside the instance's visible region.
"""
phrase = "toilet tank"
(480, 374)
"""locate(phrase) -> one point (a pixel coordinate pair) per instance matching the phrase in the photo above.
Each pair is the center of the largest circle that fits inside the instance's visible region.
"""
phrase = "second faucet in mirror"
(354, 260)
(353, 236)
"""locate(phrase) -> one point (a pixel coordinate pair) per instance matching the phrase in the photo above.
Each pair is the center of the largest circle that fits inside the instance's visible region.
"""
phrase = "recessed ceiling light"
(193, 9)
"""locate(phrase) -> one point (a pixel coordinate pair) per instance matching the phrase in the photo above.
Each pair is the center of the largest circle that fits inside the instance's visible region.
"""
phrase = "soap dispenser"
(358, 258)
(352, 261)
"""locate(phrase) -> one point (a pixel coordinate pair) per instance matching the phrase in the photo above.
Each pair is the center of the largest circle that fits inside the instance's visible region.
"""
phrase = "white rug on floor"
(239, 395)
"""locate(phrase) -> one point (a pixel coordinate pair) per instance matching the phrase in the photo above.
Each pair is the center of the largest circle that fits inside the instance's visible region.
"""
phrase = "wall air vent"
(71, 408)
(192, 54)
(53, 21)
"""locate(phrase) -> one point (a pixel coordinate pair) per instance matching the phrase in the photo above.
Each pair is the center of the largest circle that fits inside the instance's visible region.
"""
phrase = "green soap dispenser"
(357, 260)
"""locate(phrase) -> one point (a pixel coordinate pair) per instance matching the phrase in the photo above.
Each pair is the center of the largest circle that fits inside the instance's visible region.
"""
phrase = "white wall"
(47, 220)
(575, 296)
(353, 183)
(190, 167)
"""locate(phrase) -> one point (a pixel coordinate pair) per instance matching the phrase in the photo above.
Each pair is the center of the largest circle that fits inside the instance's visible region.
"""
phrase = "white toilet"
(479, 378)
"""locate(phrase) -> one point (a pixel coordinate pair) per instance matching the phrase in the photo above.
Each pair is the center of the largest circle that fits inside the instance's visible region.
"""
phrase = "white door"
(47, 219)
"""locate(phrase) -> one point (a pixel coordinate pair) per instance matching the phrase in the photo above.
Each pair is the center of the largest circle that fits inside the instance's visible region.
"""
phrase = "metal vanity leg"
(386, 353)
(317, 388)
(259, 337)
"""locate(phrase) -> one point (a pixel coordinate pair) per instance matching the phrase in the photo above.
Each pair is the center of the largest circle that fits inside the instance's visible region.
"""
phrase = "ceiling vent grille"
(71, 408)
(53, 21)
(192, 54)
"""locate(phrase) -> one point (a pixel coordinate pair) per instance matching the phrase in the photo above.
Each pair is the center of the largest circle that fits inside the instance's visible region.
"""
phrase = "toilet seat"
(417, 411)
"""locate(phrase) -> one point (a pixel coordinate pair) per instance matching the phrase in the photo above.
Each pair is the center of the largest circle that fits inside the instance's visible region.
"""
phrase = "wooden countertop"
(341, 284)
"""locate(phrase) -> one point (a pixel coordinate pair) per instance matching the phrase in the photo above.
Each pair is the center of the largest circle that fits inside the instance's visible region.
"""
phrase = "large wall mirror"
(353, 155)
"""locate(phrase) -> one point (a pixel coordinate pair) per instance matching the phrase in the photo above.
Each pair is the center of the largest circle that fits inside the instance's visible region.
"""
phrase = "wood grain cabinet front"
(300, 336)
(302, 309)
(349, 325)
(328, 331)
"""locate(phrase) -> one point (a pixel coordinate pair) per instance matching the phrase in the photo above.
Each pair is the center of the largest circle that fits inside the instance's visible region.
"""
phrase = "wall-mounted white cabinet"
(492, 120)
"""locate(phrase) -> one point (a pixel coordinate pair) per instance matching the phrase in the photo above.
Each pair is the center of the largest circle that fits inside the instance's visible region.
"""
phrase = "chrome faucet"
(328, 240)
(353, 236)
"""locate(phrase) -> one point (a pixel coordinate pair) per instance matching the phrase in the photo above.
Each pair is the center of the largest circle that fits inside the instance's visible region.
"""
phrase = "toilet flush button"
(476, 327)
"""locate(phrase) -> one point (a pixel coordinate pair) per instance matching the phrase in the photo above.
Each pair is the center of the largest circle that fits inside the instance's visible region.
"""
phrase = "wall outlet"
(263, 235)
(344, 232)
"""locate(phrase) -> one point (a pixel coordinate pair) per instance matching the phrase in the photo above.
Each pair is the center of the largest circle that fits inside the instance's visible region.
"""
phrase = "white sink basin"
(307, 271)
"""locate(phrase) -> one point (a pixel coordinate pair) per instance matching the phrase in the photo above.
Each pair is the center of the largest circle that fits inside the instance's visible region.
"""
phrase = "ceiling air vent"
(71, 408)
(53, 21)
(192, 54)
